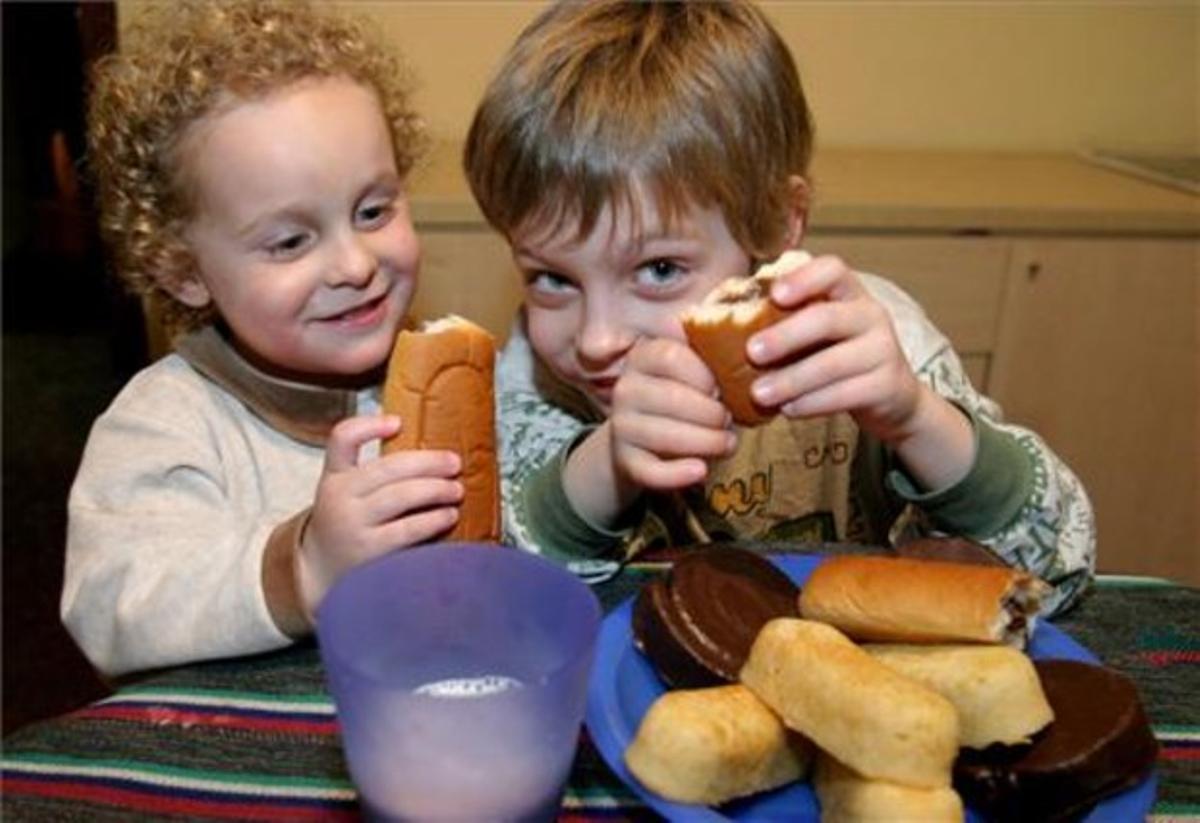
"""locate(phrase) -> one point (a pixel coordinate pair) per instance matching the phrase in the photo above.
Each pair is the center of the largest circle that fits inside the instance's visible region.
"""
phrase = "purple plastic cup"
(460, 675)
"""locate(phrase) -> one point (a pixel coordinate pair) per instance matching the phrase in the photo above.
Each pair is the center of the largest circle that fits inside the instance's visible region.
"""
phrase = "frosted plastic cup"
(460, 676)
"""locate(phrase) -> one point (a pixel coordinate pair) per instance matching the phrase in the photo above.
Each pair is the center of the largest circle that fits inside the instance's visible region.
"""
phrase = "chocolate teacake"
(697, 624)
(1099, 744)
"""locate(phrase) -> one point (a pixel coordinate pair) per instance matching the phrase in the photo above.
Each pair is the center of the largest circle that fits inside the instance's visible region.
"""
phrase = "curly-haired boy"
(250, 161)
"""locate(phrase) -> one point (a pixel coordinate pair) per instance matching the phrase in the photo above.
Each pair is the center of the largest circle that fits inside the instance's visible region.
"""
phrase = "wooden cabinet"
(1097, 352)
(958, 281)
(467, 270)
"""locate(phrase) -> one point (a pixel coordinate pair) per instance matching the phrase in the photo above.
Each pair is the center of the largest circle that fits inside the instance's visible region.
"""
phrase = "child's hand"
(851, 359)
(666, 419)
(364, 510)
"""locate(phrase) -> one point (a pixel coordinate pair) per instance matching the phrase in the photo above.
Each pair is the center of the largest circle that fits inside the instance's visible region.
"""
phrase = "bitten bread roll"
(995, 689)
(923, 601)
(850, 797)
(439, 382)
(712, 745)
(880, 723)
(718, 327)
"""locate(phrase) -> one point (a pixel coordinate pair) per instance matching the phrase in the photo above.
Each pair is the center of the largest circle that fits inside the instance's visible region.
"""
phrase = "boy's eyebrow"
(256, 223)
(631, 249)
(295, 211)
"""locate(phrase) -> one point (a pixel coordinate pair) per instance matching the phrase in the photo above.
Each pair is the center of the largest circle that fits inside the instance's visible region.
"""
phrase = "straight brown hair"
(700, 101)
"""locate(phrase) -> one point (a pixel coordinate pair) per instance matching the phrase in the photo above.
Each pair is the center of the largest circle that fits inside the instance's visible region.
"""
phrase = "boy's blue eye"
(547, 281)
(659, 273)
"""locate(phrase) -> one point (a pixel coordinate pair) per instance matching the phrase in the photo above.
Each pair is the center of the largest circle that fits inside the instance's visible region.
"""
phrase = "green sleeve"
(560, 532)
(990, 496)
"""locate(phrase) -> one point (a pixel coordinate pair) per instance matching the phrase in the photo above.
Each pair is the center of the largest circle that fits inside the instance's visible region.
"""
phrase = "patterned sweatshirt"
(801, 480)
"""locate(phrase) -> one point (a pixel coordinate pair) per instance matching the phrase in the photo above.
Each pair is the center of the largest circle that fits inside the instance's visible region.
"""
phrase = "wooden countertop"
(935, 192)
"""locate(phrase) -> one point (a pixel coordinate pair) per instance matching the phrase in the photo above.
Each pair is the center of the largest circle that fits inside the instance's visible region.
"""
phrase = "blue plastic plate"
(623, 686)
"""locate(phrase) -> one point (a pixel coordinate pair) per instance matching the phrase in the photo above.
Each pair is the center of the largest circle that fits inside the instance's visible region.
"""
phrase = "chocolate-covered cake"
(697, 624)
(1099, 744)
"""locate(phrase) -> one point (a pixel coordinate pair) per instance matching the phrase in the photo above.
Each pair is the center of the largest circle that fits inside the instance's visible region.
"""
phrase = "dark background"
(70, 339)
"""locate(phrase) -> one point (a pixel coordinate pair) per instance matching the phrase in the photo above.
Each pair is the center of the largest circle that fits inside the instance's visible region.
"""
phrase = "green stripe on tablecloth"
(1170, 811)
(233, 696)
(290, 785)
(1130, 581)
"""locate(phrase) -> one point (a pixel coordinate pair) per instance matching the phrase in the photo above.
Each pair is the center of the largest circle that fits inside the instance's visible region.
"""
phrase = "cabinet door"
(959, 281)
(1098, 353)
(467, 271)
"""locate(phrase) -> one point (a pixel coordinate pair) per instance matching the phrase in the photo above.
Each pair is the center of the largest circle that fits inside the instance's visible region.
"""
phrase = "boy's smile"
(301, 236)
(589, 300)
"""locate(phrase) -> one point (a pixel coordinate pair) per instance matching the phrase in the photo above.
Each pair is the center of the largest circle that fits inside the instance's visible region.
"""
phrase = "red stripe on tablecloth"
(1166, 657)
(1168, 752)
(161, 716)
(168, 804)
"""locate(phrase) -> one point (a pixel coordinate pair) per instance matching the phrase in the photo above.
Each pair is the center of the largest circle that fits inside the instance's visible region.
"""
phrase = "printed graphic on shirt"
(739, 497)
(788, 479)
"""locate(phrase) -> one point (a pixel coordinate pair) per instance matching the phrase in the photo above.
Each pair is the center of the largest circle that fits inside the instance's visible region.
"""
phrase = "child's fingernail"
(763, 390)
(758, 349)
(730, 443)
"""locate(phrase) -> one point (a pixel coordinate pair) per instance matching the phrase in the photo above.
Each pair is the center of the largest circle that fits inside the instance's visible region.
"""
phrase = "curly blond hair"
(176, 64)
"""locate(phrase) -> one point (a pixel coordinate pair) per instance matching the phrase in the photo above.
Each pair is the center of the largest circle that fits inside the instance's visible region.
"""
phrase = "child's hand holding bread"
(436, 476)
(805, 337)
(364, 509)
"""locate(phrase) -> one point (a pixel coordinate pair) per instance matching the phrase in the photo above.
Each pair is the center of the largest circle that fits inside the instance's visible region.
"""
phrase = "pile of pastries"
(899, 687)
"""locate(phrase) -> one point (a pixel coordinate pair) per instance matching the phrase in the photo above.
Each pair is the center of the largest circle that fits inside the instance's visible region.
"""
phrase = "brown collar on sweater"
(302, 411)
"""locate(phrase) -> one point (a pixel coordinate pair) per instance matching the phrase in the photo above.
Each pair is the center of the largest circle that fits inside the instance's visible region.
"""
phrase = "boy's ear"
(189, 290)
(798, 211)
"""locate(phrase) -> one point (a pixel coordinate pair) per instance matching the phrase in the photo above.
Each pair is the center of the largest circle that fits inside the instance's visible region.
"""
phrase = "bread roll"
(923, 601)
(878, 722)
(439, 381)
(849, 797)
(712, 745)
(995, 689)
(718, 327)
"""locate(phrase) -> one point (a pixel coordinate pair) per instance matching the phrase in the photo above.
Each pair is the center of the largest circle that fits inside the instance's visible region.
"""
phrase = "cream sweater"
(182, 482)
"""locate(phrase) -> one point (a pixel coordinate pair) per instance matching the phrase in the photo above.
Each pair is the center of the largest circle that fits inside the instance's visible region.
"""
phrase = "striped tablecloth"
(257, 738)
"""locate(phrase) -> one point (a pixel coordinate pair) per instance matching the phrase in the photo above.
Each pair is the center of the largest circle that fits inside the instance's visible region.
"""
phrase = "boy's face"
(588, 301)
(302, 236)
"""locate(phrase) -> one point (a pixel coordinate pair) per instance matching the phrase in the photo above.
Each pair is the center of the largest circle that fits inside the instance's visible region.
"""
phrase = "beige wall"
(1004, 74)
(1000, 74)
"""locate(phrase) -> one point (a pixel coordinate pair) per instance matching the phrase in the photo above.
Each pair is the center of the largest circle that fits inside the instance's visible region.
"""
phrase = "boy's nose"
(354, 263)
(603, 338)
